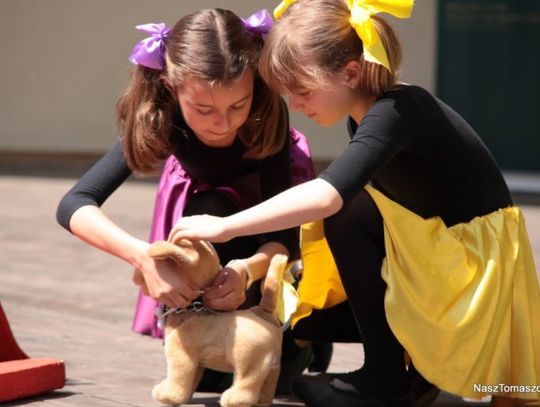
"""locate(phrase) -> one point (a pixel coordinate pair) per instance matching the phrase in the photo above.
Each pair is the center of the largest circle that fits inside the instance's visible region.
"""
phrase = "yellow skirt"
(463, 301)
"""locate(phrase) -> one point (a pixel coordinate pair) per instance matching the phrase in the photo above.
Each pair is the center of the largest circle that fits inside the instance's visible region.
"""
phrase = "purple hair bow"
(150, 51)
(261, 22)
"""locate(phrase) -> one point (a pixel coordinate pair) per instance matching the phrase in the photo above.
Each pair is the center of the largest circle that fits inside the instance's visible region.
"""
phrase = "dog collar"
(163, 310)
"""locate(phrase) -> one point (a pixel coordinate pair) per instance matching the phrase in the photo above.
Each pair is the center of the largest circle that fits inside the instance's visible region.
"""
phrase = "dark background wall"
(489, 71)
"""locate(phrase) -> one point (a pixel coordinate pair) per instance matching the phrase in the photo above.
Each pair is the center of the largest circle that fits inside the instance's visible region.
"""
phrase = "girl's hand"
(167, 284)
(200, 227)
(227, 291)
(138, 279)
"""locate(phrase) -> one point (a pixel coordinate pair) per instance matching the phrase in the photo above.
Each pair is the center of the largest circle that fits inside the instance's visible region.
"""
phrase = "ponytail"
(144, 118)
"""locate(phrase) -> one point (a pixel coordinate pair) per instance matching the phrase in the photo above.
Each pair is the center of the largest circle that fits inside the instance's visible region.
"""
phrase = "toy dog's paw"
(232, 397)
(167, 394)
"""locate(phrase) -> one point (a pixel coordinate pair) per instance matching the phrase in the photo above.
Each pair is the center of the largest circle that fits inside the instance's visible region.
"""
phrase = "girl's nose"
(223, 122)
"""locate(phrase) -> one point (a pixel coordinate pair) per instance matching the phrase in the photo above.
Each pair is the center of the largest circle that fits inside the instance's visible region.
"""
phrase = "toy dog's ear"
(182, 253)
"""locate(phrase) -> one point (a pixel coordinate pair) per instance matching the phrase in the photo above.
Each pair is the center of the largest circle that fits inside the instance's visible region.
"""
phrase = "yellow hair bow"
(280, 9)
(361, 12)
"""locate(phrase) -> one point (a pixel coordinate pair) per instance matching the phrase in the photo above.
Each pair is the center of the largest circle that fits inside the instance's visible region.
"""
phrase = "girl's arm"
(163, 282)
(313, 200)
(79, 213)
(95, 186)
(90, 224)
(382, 133)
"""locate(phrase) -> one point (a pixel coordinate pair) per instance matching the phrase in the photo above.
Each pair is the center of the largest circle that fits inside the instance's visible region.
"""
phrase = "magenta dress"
(175, 188)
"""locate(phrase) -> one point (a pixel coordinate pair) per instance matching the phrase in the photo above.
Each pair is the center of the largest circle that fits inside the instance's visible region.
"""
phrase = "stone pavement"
(66, 300)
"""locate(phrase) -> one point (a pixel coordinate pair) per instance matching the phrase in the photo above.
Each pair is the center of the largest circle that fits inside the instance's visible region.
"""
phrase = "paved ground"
(68, 301)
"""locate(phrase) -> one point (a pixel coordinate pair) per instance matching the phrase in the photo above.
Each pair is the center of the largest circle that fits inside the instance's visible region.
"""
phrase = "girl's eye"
(239, 107)
(304, 93)
(204, 112)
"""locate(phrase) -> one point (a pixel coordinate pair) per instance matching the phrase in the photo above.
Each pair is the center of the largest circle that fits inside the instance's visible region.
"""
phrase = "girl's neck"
(361, 106)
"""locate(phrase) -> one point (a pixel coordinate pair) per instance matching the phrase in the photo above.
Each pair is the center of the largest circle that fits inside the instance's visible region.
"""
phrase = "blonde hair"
(313, 41)
(212, 45)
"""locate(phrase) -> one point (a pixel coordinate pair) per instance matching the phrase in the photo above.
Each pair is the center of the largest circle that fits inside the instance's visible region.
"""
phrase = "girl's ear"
(351, 74)
(181, 253)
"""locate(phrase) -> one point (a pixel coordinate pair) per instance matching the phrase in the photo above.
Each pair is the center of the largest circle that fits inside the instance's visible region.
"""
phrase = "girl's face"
(324, 106)
(215, 113)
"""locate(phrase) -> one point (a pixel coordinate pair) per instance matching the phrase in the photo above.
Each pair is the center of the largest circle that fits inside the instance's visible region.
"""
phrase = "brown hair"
(212, 45)
(313, 41)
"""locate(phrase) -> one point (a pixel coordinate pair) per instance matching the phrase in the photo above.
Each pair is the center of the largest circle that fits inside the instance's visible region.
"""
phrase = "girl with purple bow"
(197, 104)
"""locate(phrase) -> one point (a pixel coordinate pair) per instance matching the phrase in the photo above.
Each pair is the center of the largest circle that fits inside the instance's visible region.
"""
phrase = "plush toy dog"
(247, 342)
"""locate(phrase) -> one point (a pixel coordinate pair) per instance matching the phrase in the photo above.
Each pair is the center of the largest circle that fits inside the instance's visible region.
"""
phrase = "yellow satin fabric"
(320, 286)
(463, 301)
(361, 21)
(287, 298)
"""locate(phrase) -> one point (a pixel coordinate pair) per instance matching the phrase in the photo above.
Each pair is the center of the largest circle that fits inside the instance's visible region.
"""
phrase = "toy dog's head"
(198, 259)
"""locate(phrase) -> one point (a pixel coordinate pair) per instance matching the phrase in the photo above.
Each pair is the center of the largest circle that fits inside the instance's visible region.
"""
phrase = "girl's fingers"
(221, 277)
(173, 238)
(179, 300)
(167, 301)
(229, 302)
(218, 291)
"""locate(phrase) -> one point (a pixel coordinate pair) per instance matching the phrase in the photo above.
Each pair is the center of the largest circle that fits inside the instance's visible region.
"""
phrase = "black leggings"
(356, 238)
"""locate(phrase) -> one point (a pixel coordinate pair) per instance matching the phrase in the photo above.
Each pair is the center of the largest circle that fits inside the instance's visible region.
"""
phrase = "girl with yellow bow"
(419, 236)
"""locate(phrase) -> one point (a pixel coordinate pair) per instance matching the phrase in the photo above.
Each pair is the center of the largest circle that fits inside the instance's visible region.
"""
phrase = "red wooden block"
(28, 377)
(21, 376)
(9, 350)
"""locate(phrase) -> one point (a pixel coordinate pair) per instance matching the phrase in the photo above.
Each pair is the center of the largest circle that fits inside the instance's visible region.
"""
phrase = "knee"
(358, 215)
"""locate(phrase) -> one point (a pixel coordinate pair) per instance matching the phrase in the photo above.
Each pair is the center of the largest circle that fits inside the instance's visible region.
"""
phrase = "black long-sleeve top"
(420, 153)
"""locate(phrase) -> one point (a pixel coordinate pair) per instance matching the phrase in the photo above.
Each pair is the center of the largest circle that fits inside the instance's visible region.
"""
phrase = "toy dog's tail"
(272, 283)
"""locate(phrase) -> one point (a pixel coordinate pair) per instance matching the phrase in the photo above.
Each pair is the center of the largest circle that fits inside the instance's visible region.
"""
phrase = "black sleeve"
(96, 185)
(383, 132)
